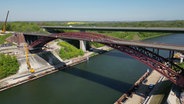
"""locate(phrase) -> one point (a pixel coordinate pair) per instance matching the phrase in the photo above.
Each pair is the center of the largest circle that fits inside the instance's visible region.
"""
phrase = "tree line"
(35, 26)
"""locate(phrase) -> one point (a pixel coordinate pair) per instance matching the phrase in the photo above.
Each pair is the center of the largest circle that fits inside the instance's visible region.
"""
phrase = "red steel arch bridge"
(135, 49)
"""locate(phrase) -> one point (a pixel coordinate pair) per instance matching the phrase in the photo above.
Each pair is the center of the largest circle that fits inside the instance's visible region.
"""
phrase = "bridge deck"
(132, 29)
(123, 42)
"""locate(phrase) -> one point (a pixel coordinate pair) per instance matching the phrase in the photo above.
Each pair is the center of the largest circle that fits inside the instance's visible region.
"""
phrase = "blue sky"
(92, 10)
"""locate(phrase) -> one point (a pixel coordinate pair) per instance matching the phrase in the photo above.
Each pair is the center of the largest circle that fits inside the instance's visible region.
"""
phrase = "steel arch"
(147, 57)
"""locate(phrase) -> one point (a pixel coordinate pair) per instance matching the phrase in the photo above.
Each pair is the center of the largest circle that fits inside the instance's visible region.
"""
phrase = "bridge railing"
(159, 58)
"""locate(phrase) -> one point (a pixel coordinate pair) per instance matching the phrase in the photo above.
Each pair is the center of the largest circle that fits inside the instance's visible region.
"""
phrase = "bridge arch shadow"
(117, 85)
(51, 59)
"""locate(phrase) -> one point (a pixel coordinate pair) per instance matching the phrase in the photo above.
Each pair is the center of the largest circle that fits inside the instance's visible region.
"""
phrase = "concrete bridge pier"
(181, 60)
(83, 45)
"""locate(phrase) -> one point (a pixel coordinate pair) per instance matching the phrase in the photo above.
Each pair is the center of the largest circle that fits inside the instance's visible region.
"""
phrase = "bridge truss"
(154, 61)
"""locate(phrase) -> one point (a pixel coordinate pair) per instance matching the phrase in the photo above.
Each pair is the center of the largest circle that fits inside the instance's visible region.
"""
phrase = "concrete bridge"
(131, 29)
(137, 50)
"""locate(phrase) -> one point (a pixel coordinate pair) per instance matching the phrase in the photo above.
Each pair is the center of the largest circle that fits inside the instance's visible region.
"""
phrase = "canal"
(100, 80)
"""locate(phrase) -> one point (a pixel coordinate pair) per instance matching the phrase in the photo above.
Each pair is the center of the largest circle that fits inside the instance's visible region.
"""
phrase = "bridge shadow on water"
(108, 82)
(161, 89)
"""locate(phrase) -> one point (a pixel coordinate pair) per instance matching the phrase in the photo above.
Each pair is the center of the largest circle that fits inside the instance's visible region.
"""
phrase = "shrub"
(8, 65)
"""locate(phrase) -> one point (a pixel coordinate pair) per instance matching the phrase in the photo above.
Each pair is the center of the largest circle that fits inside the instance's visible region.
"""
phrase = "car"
(151, 86)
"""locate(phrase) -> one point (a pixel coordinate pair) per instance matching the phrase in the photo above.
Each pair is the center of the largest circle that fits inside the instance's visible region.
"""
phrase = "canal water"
(100, 80)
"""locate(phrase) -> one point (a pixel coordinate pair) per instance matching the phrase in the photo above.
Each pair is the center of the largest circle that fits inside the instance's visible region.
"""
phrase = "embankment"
(44, 63)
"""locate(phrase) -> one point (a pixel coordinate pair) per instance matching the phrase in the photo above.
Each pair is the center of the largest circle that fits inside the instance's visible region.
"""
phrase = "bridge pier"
(171, 54)
(181, 60)
(83, 45)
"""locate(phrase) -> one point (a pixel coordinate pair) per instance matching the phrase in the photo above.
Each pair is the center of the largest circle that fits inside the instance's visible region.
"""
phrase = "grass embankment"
(8, 65)
(68, 51)
(128, 36)
(133, 35)
(181, 65)
(3, 38)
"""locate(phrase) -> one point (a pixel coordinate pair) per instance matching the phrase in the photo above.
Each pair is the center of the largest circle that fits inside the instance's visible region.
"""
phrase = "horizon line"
(94, 21)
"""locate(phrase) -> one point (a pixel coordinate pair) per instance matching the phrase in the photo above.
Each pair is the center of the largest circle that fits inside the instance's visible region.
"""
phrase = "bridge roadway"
(75, 36)
(131, 29)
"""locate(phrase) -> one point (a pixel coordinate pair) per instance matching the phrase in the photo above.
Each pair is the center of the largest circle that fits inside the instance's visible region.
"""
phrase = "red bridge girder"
(151, 59)
(41, 42)
(73, 35)
(163, 68)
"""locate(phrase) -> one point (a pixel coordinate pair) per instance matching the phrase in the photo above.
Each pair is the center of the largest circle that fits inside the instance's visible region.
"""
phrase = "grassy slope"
(129, 36)
(68, 51)
(3, 38)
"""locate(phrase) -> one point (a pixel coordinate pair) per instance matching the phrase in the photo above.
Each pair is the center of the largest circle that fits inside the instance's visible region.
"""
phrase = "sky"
(92, 10)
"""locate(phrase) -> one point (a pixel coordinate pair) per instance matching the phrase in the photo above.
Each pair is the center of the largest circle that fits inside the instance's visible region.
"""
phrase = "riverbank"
(128, 94)
(140, 94)
(21, 78)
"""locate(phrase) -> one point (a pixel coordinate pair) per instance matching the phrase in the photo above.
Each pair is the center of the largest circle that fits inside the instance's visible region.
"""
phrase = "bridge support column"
(83, 45)
(181, 59)
(171, 54)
